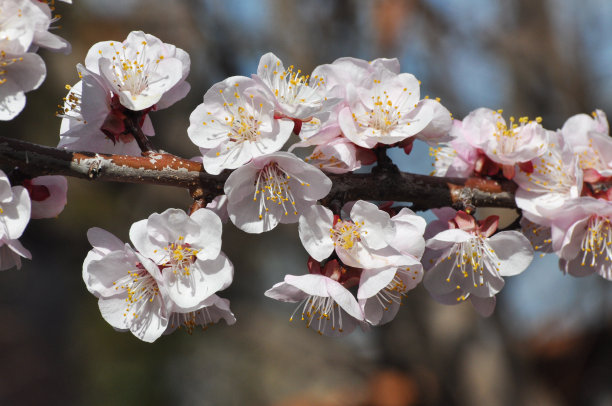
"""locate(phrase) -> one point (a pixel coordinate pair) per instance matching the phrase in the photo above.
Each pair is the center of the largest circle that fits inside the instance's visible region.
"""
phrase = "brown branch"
(425, 192)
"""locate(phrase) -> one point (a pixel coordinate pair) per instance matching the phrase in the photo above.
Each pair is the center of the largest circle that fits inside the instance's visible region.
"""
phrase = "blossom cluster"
(364, 258)
(167, 281)
(24, 27)
(563, 180)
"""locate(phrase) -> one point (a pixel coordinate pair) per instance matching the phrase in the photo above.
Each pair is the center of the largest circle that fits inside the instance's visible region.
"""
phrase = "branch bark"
(425, 192)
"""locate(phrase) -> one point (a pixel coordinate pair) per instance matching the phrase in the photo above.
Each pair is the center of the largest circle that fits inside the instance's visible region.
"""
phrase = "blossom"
(129, 287)
(468, 261)
(296, 96)
(590, 141)
(15, 209)
(555, 177)
(235, 124)
(381, 290)
(363, 241)
(582, 236)
(456, 157)
(187, 249)
(40, 19)
(210, 311)
(142, 71)
(28, 22)
(386, 111)
(504, 144)
(326, 303)
(20, 72)
(272, 189)
(93, 119)
(48, 195)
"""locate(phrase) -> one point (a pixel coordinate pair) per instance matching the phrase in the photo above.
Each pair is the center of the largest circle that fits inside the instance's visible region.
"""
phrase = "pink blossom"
(506, 145)
(272, 189)
(326, 303)
(456, 157)
(590, 140)
(582, 236)
(468, 261)
(386, 111)
(555, 177)
(235, 124)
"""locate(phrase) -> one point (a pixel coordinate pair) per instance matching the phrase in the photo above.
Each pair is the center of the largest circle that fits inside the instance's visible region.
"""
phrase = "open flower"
(471, 261)
(363, 241)
(93, 119)
(381, 290)
(386, 112)
(236, 124)
(582, 236)
(187, 249)
(129, 287)
(590, 141)
(296, 96)
(142, 71)
(272, 189)
(325, 303)
(506, 145)
(15, 209)
(555, 177)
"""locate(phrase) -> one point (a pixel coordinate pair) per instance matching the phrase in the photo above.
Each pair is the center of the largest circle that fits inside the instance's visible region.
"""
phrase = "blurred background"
(550, 339)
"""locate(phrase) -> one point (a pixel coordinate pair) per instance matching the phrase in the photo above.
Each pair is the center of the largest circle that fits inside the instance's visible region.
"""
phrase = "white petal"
(513, 250)
(314, 226)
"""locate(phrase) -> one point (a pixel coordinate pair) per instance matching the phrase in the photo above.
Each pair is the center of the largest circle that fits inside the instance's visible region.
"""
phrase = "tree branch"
(425, 192)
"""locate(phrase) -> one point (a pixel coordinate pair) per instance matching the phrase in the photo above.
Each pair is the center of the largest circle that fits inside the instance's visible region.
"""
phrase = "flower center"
(141, 289)
(474, 254)
(242, 117)
(386, 114)
(273, 187)
(321, 310)
(134, 73)
(180, 257)
(549, 174)
(346, 233)
(509, 138)
(293, 88)
(597, 241)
